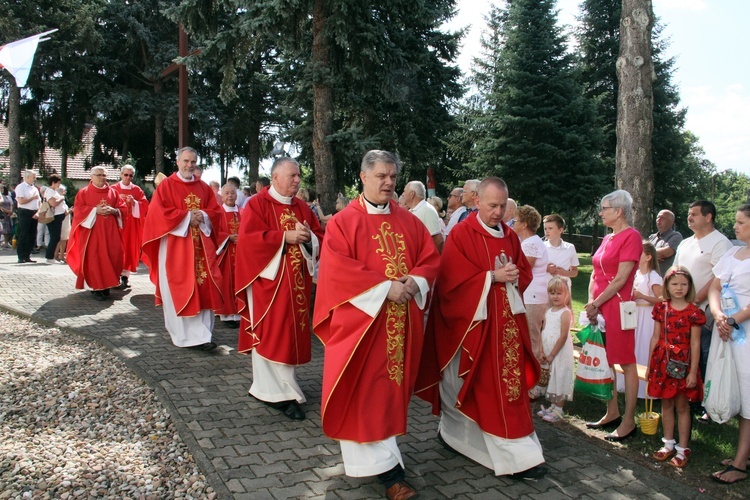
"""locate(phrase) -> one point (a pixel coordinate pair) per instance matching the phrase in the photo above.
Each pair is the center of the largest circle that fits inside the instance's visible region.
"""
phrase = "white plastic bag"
(721, 391)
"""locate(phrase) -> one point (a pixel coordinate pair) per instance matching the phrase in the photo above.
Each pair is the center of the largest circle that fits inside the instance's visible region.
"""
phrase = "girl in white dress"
(647, 292)
(557, 345)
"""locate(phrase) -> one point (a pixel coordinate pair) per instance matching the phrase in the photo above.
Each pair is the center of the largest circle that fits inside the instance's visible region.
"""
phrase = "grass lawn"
(710, 443)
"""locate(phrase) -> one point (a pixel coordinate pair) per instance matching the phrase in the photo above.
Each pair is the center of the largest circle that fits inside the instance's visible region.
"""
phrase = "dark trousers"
(26, 233)
(54, 235)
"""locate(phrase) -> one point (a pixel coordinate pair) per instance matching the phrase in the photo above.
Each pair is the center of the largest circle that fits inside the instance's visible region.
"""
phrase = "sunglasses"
(127, 175)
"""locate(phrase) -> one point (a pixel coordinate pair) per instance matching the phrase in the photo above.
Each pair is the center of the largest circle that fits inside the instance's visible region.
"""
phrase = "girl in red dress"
(673, 372)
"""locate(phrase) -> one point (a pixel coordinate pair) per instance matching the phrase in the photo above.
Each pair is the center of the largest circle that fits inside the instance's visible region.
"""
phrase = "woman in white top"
(535, 297)
(733, 269)
(65, 230)
(56, 201)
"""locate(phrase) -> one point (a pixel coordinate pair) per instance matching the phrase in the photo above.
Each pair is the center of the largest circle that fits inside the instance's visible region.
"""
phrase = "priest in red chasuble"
(477, 364)
(277, 251)
(179, 247)
(377, 266)
(132, 224)
(227, 239)
(95, 247)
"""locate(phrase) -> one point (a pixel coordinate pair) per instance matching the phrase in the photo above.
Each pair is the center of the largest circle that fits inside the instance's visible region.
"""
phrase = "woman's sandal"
(717, 476)
(681, 459)
(730, 461)
(664, 454)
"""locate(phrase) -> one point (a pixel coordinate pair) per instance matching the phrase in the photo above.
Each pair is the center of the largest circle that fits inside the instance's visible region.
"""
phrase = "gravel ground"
(75, 422)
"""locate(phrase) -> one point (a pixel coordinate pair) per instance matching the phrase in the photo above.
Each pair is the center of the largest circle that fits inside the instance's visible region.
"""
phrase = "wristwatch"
(731, 322)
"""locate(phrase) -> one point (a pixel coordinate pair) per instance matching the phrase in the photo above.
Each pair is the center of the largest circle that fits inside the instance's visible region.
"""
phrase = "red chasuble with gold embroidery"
(194, 277)
(278, 325)
(370, 363)
(95, 255)
(230, 224)
(497, 365)
(132, 227)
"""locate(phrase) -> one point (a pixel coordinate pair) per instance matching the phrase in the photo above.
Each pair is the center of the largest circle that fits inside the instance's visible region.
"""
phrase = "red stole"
(497, 365)
(132, 227)
(280, 327)
(194, 277)
(230, 224)
(370, 363)
(95, 255)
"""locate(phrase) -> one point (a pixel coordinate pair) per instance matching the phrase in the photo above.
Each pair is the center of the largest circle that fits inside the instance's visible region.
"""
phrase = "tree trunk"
(253, 151)
(634, 171)
(325, 175)
(14, 131)
(158, 133)
(63, 162)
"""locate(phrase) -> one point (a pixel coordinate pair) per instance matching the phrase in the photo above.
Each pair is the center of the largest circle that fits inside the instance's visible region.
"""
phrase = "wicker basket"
(649, 419)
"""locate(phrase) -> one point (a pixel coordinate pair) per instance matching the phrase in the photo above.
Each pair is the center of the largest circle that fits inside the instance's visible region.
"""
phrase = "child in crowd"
(647, 293)
(673, 372)
(557, 345)
(563, 259)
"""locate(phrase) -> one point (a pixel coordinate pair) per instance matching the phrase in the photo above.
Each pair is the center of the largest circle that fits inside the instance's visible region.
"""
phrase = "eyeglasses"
(605, 208)
(127, 175)
(99, 175)
(453, 195)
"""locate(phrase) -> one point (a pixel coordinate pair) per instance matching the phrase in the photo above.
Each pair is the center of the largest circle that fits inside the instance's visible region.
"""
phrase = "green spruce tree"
(537, 129)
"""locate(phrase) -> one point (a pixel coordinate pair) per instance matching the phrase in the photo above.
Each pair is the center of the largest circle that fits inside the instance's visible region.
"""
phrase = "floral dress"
(675, 336)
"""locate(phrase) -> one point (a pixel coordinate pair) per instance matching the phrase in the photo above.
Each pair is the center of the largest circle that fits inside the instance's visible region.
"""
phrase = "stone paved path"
(247, 452)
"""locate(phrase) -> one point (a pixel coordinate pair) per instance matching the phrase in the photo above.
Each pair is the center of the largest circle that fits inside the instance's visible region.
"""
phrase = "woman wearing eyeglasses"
(614, 266)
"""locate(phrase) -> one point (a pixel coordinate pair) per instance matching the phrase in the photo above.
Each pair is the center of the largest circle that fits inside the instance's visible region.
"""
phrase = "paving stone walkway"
(245, 449)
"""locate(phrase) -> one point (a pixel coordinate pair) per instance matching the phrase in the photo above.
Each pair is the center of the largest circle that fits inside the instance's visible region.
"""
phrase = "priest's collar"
(129, 186)
(179, 176)
(286, 200)
(227, 208)
(372, 208)
(495, 232)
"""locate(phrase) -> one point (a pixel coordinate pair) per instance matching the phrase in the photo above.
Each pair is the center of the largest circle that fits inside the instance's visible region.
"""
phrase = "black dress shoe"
(294, 412)
(616, 439)
(105, 292)
(123, 282)
(29, 260)
(612, 424)
(98, 295)
(537, 472)
(446, 445)
(231, 324)
(208, 346)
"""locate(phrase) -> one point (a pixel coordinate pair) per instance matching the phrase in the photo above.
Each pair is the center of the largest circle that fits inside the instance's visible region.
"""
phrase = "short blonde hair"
(529, 215)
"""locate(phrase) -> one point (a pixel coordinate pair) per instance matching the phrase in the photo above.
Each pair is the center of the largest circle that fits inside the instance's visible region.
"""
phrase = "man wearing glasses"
(95, 246)
(456, 207)
(469, 197)
(132, 230)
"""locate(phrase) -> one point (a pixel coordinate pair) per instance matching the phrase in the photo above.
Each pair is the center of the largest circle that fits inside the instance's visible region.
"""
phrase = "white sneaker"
(543, 411)
(51, 261)
(554, 415)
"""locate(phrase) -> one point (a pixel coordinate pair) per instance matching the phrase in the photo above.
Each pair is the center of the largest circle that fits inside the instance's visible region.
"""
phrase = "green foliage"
(57, 100)
(536, 129)
(731, 189)
(139, 43)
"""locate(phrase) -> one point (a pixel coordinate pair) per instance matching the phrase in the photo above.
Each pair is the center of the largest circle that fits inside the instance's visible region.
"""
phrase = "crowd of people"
(467, 308)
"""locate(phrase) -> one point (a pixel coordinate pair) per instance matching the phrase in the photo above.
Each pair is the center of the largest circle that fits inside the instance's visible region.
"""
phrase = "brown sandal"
(663, 454)
(681, 459)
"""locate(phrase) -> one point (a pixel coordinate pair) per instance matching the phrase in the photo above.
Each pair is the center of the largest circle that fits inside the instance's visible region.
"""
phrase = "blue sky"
(709, 40)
